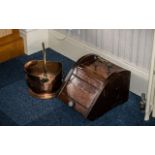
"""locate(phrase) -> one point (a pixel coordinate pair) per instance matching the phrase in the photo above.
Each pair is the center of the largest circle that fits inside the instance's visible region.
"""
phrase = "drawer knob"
(70, 103)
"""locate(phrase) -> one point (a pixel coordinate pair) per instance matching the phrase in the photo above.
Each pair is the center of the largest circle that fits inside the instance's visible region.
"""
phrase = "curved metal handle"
(45, 79)
(44, 53)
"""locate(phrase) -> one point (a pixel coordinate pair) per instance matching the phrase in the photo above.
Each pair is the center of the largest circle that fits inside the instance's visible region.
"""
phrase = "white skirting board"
(74, 49)
(33, 39)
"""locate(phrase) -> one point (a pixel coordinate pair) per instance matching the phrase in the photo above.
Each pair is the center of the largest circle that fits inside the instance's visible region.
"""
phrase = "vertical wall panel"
(128, 45)
(99, 39)
(83, 35)
(75, 33)
(148, 48)
(141, 49)
(122, 40)
(108, 40)
(93, 37)
(116, 42)
(135, 45)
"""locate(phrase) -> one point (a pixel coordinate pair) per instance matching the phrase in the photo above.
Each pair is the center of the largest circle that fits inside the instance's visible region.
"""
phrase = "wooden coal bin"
(94, 86)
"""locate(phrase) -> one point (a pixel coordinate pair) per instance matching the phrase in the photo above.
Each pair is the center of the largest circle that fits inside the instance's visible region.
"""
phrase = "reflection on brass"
(35, 74)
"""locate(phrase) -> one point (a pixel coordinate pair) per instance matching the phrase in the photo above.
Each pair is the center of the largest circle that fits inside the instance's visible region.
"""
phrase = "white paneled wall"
(134, 46)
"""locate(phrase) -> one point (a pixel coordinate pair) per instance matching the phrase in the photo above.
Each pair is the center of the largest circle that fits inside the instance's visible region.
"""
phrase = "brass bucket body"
(35, 73)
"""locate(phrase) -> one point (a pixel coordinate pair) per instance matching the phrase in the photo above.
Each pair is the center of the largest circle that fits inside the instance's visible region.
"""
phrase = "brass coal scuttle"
(44, 78)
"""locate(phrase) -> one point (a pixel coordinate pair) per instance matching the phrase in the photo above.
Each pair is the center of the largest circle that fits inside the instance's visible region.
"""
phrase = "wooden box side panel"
(113, 94)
